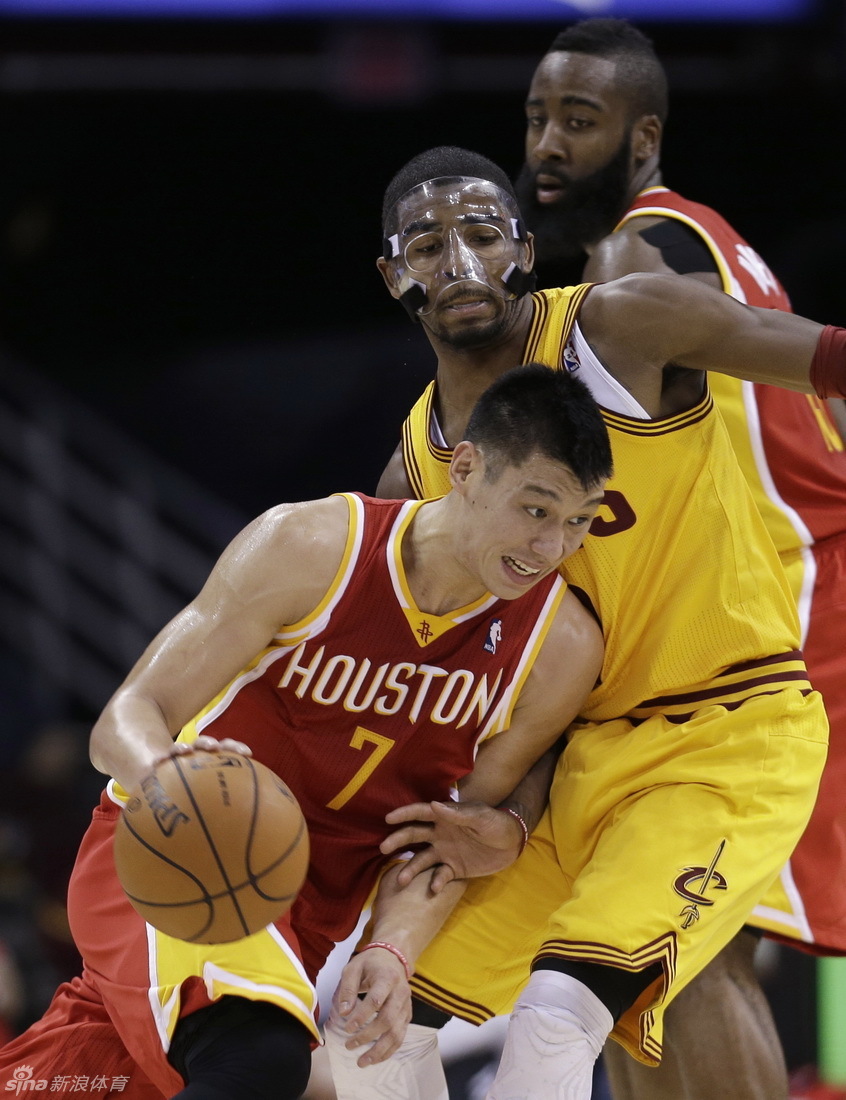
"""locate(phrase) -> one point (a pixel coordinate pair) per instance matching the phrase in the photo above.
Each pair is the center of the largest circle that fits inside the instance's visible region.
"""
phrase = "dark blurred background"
(192, 327)
(190, 208)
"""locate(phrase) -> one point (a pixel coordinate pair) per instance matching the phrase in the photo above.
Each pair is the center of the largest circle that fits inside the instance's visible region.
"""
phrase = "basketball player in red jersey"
(592, 183)
(366, 651)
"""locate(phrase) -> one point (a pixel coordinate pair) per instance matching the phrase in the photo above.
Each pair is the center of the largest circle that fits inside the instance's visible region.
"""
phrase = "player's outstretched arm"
(642, 323)
(272, 574)
(625, 251)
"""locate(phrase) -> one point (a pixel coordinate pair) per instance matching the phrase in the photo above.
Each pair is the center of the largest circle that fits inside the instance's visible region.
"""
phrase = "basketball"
(211, 847)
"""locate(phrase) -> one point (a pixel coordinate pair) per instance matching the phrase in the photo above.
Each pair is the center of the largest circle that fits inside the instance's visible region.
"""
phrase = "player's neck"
(458, 390)
(647, 175)
(464, 375)
(438, 583)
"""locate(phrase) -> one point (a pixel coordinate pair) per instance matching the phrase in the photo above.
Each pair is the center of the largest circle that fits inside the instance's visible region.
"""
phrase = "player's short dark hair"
(444, 161)
(536, 410)
(640, 75)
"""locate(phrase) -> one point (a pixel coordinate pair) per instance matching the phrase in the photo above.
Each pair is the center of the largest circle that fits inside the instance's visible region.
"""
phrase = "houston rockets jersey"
(694, 605)
(368, 704)
(787, 443)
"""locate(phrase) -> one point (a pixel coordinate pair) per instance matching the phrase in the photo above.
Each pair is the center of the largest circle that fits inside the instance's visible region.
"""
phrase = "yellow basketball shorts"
(658, 841)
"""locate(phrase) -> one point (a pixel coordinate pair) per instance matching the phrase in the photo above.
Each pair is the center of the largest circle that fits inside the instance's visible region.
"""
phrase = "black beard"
(586, 212)
(479, 334)
(472, 337)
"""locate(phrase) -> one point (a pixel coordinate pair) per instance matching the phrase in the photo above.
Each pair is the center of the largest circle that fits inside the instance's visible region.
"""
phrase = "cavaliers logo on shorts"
(692, 883)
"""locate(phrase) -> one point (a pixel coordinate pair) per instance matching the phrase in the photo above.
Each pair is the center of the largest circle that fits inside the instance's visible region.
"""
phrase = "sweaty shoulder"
(576, 637)
(641, 324)
(577, 627)
(625, 321)
(624, 251)
(293, 552)
(630, 291)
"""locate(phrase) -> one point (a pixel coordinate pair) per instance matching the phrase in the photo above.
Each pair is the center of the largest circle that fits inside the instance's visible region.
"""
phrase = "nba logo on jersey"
(494, 635)
(569, 360)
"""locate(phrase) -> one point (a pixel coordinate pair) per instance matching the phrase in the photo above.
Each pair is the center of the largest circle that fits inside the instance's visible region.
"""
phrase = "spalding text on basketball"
(166, 813)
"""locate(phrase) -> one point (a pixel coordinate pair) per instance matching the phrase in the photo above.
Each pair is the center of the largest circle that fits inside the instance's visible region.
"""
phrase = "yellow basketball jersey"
(694, 605)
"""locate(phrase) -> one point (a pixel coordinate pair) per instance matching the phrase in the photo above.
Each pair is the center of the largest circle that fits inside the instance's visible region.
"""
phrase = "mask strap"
(519, 282)
(413, 299)
(518, 230)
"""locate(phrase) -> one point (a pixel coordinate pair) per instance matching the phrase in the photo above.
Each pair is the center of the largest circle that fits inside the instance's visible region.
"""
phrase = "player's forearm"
(409, 917)
(128, 738)
(530, 796)
(766, 346)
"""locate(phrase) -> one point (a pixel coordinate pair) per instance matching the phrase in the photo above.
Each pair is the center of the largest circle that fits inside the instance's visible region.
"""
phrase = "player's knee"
(236, 1047)
(413, 1072)
(617, 989)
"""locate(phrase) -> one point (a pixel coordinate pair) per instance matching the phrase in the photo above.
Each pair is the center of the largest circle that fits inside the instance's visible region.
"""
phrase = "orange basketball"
(211, 847)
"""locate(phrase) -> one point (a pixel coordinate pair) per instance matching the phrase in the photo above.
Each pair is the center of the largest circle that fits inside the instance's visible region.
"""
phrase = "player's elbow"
(96, 750)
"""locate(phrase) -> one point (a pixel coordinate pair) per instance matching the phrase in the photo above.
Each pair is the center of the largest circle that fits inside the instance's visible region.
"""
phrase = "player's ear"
(529, 244)
(386, 270)
(466, 458)
(646, 137)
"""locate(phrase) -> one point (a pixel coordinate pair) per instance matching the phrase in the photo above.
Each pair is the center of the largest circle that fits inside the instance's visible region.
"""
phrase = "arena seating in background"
(101, 542)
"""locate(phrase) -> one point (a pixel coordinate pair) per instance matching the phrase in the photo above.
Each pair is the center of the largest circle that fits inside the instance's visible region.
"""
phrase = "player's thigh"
(74, 1047)
(674, 824)
(672, 832)
(148, 981)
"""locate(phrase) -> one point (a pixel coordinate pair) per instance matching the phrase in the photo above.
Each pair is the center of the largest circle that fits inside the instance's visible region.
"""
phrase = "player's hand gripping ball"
(211, 847)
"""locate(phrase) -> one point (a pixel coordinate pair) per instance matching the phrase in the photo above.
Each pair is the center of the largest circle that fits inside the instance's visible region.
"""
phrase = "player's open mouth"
(520, 566)
(548, 189)
(466, 302)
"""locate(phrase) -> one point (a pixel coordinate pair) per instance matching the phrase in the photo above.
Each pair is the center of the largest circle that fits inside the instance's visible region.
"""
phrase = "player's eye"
(424, 246)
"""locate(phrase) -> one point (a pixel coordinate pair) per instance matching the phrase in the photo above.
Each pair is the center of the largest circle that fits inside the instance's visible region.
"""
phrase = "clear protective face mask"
(455, 230)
